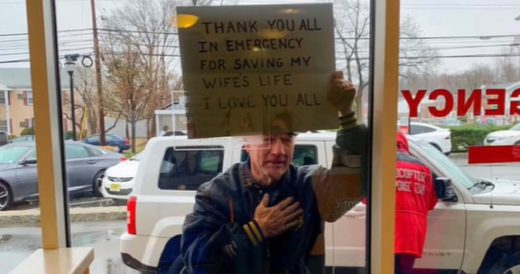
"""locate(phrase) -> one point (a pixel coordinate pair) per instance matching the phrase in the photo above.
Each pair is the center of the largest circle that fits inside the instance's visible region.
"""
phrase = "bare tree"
(469, 80)
(352, 31)
(137, 45)
(85, 86)
(352, 27)
(509, 68)
(415, 56)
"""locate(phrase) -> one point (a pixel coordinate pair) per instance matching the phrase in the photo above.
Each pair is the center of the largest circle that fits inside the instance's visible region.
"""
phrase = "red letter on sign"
(413, 103)
(515, 104)
(498, 101)
(475, 100)
(448, 107)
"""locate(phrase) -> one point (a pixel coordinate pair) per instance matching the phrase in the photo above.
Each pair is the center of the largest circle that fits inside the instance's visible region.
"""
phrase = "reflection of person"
(264, 215)
(415, 196)
(163, 131)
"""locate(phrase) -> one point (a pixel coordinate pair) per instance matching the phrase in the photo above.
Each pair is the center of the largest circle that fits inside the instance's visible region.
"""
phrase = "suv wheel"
(5, 196)
(507, 265)
(97, 185)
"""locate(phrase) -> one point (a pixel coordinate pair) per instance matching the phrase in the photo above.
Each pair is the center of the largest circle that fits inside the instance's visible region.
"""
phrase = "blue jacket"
(224, 208)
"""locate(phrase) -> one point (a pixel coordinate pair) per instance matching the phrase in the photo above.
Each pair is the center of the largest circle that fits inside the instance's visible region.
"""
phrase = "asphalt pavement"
(17, 243)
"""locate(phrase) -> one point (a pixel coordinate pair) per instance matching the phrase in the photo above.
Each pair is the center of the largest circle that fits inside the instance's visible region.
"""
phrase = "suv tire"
(98, 184)
(510, 264)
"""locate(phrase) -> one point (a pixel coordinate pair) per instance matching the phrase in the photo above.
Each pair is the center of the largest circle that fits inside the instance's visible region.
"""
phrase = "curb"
(31, 217)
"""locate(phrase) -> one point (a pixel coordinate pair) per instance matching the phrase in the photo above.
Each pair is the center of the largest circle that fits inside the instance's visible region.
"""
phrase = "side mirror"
(444, 189)
(28, 162)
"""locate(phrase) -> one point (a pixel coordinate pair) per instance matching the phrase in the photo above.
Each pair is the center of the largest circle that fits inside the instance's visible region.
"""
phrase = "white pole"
(157, 125)
(7, 113)
(173, 113)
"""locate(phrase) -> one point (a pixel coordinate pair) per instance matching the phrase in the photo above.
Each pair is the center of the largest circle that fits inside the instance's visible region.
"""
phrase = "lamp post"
(70, 63)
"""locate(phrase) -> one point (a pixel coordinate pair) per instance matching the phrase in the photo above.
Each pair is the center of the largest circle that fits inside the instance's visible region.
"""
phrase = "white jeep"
(474, 230)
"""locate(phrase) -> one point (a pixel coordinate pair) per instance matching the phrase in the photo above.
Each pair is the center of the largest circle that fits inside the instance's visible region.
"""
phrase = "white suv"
(476, 229)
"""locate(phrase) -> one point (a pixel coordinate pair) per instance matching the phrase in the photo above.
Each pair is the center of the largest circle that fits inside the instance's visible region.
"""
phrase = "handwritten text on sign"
(246, 67)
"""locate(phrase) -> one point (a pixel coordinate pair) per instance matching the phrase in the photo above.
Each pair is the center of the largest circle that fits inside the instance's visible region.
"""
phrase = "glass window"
(31, 156)
(75, 151)
(516, 128)
(305, 155)
(140, 67)
(95, 151)
(185, 168)
(419, 129)
(12, 154)
(3, 124)
(29, 98)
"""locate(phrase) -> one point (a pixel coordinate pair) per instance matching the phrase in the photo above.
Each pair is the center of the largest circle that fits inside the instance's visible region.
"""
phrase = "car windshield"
(12, 154)
(516, 127)
(444, 164)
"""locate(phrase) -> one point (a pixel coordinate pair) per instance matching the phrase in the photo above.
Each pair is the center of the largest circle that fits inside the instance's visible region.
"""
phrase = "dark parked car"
(111, 140)
(86, 167)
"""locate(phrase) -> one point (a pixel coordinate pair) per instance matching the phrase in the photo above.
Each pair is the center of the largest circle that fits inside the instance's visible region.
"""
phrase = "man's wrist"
(254, 232)
(347, 120)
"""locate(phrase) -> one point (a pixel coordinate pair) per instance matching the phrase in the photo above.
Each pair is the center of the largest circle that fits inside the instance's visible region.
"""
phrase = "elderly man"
(264, 215)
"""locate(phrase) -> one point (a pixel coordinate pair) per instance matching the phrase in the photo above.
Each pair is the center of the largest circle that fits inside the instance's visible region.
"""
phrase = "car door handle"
(91, 162)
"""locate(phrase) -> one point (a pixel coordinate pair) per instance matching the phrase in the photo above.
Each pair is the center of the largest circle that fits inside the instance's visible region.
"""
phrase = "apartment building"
(16, 100)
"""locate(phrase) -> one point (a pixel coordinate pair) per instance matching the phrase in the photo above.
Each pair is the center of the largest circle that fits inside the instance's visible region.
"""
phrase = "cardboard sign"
(257, 69)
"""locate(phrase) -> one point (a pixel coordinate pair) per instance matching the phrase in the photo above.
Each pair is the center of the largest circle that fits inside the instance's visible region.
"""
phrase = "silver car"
(85, 165)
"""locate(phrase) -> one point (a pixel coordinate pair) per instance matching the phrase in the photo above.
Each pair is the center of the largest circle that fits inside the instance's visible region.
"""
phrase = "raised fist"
(341, 93)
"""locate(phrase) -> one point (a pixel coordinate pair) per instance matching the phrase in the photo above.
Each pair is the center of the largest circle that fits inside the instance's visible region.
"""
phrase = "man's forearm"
(342, 186)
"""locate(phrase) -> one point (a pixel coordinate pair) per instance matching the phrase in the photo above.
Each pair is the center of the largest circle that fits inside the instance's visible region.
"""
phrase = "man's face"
(270, 157)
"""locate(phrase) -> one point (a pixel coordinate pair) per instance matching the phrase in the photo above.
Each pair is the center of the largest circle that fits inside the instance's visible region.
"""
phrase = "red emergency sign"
(495, 102)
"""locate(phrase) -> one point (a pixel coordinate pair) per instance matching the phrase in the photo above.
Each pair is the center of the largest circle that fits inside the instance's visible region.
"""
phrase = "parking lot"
(98, 222)
(503, 171)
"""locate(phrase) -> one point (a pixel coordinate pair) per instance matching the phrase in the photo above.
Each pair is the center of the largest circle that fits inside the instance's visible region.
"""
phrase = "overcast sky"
(446, 18)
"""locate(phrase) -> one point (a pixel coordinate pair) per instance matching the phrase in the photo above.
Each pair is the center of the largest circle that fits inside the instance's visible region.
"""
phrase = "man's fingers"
(348, 86)
(293, 224)
(291, 208)
(343, 84)
(265, 200)
(294, 216)
(232, 250)
(286, 202)
(337, 75)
